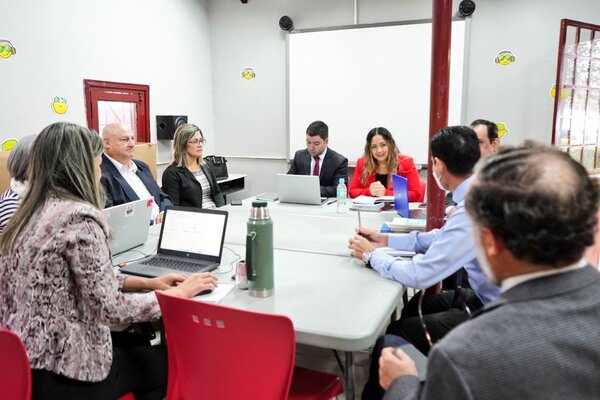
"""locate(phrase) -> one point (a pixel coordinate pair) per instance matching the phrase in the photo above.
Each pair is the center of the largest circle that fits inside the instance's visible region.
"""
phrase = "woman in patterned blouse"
(58, 291)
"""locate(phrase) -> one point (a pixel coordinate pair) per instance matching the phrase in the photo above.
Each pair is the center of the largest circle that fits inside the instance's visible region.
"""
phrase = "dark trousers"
(372, 390)
(142, 370)
(441, 313)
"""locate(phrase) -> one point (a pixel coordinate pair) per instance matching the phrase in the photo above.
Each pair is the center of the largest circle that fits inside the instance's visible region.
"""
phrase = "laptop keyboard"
(178, 265)
(418, 213)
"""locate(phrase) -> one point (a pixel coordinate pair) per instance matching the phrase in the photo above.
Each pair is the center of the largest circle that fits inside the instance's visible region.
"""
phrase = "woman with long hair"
(373, 172)
(189, 181)
(58, 290)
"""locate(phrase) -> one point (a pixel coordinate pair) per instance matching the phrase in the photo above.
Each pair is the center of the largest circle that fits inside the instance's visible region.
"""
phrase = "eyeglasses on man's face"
(197, 141)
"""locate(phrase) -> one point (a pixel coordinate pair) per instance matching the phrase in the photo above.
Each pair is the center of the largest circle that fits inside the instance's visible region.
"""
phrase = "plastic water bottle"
(342, 196)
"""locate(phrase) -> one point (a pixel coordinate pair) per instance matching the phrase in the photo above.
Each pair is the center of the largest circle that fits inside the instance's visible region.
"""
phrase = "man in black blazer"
(125, 179)
(318, 159)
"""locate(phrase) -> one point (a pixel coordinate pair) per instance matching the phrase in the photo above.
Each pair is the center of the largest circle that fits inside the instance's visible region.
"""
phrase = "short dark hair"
(319, 128)
(492, 128)
(538, 201)
(457, 147)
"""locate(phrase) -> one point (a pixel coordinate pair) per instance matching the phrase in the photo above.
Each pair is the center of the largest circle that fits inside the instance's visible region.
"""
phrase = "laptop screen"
(193, 231)
(400, 185)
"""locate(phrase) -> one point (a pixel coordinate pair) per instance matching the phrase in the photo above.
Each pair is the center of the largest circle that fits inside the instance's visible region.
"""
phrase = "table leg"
(349, 376)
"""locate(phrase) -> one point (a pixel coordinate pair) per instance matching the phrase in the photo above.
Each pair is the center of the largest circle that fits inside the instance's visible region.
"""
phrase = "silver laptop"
(129, 225)
(301, 189)
(190, 241)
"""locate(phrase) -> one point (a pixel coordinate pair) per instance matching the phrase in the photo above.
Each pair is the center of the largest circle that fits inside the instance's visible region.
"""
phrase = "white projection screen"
(355, 79)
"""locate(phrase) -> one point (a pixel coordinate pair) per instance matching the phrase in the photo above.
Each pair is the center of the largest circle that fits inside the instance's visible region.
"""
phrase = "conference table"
(333, 300)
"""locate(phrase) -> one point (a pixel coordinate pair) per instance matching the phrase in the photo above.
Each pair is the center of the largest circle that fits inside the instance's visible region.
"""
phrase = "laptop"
(400, 186)
(129, 224)
(300, 189)
(190, 241)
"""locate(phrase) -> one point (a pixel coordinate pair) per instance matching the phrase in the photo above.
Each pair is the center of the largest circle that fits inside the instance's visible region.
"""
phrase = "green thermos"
(259, 251)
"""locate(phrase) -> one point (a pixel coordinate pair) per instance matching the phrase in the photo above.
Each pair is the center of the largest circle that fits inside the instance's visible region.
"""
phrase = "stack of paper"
(373, 200)
(400, 224)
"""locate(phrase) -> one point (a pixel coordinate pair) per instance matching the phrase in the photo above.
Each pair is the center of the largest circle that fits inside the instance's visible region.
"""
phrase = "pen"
(359, 220)
(331, 202)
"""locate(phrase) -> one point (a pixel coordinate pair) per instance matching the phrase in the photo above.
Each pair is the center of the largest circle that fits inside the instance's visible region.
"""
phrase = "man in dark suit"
(534, 214)
(125, 179)
(318, 159)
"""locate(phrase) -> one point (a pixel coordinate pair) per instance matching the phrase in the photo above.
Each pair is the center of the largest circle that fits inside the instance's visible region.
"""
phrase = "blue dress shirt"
(442, 252)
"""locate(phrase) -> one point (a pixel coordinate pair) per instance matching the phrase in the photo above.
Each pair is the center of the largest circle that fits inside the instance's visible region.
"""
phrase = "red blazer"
(406, 168)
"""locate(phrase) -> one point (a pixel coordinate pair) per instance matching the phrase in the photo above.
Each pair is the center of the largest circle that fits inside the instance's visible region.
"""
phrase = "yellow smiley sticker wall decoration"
(59, 105)
(248, 74)
(502, 129)
(504, 58)
(6, 49)
(8, 144)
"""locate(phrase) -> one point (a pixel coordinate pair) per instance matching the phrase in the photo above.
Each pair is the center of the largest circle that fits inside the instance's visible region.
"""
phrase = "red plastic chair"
(15, 370)
(218, 352)
(423, 187)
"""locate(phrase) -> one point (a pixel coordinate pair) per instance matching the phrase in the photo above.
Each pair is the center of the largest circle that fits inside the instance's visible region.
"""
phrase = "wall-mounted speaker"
(466, 8)
(286, 23)
(166, 125)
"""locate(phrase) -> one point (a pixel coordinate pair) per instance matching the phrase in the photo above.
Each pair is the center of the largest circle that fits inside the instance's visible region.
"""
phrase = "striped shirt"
(9, 202)
(207, 201)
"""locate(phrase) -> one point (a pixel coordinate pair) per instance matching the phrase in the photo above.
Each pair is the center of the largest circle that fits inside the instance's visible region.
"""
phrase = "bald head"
(538, 201)
(119, 142)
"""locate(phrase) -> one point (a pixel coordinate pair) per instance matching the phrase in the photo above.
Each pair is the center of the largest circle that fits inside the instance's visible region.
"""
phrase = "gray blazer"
(538, 340)
(335, 166)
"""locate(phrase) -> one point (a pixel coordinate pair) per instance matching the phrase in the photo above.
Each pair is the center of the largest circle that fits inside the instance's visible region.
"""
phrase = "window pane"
(117, 111)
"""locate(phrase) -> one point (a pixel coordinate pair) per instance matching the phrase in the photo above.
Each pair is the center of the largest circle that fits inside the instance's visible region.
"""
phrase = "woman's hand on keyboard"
(194, 284)
(166, 281)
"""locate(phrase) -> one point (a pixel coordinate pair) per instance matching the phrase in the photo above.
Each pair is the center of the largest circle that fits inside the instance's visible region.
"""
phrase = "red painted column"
(439, 95)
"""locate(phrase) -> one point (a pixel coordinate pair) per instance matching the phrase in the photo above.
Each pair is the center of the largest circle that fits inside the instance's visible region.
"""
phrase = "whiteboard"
(359, 78)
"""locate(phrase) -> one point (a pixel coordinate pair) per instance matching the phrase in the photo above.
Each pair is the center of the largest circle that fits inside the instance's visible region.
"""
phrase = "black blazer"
(118, 190)
(184, 188)
(335, 166)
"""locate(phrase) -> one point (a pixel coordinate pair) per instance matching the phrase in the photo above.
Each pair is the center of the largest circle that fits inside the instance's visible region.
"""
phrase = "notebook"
(301, 189)
(129, 224)
(400, 186)
(190, 241)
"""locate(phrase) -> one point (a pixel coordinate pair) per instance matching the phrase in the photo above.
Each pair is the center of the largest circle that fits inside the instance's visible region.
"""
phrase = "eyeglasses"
(196, 141)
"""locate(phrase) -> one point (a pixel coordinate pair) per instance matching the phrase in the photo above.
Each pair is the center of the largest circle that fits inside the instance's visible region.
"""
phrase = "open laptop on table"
(300, 189)
(400, 186)
(129, 224)
(190, 241)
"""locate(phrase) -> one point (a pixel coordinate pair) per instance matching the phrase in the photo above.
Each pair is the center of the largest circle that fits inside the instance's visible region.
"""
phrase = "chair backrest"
(423, 187)
(217, 352)
(146, 152)
(14, 368)
(4, 175)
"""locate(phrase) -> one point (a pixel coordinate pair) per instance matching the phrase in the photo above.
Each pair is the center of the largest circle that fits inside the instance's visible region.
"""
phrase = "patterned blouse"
(59, 293)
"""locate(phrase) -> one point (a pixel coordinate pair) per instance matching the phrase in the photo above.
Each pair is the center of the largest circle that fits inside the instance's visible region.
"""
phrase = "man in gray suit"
(318, 159)
(534, 214)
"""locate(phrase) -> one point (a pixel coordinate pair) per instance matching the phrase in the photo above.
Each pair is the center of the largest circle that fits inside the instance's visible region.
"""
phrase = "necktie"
(316, 168)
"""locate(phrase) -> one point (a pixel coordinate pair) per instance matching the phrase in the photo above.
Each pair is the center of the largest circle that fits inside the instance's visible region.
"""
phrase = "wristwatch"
(366, 257)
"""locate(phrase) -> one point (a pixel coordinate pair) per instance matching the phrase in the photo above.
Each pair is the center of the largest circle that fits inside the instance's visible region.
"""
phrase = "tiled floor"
(324, 360)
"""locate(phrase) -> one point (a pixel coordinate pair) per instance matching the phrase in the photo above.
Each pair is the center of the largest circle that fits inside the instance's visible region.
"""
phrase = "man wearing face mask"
(440, 252)
(534, 213)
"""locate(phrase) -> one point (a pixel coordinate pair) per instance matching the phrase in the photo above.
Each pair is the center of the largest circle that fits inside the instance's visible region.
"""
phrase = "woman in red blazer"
(373, 172)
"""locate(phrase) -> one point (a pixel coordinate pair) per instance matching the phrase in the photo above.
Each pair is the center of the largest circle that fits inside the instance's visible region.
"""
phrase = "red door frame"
(118, 91)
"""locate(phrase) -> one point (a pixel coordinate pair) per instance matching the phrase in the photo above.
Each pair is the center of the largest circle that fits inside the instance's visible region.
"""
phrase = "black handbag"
(218, 165)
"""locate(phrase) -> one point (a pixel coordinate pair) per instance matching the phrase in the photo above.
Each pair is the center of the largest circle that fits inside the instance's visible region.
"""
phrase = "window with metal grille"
(577, 93)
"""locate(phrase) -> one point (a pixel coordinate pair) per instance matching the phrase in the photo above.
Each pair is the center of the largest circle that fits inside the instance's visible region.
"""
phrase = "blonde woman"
(373, 172)
(189, 181)
(58, 290)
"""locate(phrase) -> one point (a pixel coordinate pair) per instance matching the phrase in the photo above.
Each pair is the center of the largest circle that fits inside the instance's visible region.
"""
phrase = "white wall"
(164, 44)
(250, 116)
